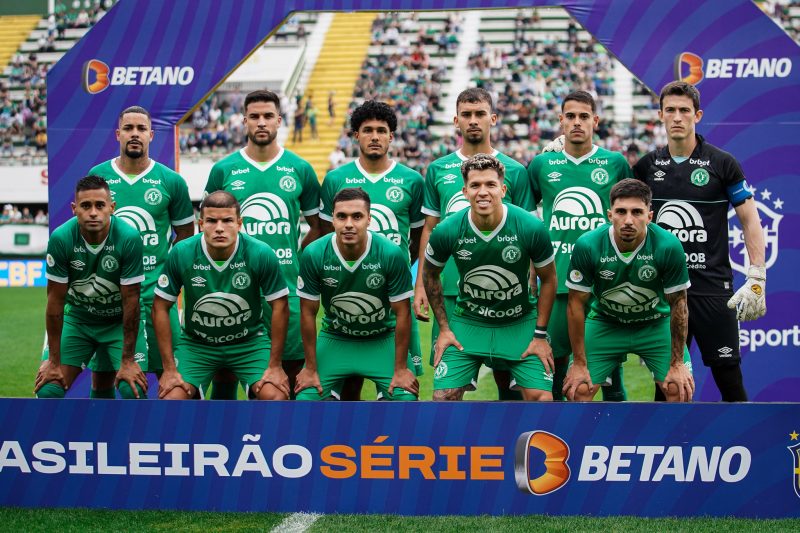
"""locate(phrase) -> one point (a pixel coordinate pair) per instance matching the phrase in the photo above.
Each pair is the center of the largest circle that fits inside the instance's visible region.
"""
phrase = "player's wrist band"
(540, 332)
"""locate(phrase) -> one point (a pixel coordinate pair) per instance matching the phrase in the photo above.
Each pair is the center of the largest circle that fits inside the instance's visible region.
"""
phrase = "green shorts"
(146, 330)
(293, 349)
(609, 343)
(414, 349)
(557, 328)
(340, 357)
(82, 343)
(487, 344)
(198, 362)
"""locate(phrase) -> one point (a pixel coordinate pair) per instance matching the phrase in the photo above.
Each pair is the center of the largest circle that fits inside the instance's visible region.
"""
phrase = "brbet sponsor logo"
(98, 76)
(691, 68)
(577, 208)
(556, 453)
(683, 220)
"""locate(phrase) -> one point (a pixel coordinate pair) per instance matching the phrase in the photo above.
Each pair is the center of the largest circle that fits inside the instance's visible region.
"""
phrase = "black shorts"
(715, 329)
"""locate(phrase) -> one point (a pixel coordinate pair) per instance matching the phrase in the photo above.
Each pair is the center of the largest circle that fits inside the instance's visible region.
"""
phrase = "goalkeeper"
(693, 182)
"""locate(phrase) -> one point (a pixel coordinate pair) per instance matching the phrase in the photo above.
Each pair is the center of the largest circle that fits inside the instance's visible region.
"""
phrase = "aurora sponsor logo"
(94, 290)
(577, 208)
(265, 214)
(629, 298)
(384, 221)
(142, 220)
(220, 309)
(357, 308)
(683, 220)
(457, 203)
(491, 282)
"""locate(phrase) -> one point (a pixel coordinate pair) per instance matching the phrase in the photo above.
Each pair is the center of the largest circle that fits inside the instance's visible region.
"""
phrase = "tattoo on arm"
(678, 323)
(130, 319)
(433, 288)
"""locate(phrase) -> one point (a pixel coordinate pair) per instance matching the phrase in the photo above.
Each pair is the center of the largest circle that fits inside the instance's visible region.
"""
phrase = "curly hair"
(373, 110)
(483, 162)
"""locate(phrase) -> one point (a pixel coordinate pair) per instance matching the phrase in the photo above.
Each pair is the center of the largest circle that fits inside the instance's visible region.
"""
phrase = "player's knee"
(536, 395)
(103, 394)
(585, 393)
(126, 392)
(51, 390)
(672, 392)
(268, 392)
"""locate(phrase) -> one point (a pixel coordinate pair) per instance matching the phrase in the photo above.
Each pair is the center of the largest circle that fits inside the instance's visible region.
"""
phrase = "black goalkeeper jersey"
(690, 199)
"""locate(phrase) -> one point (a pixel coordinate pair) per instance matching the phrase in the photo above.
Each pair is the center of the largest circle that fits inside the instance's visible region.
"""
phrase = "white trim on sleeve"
(577, 287)
(431, 212)
(131, 281)
(677, 288)
(418, 223)
(57, 279)
(161, 294)
(307, 296)
(545, 262)
(325, 217)
(275, 295)
(401, 297)
(433, 261)
(182, 221)
(312, 211)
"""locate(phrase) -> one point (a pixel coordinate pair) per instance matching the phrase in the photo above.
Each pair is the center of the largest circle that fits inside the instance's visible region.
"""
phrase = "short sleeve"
(438, 250)
(215, 180)
(132, 266)
(169, 283)
(639, 170)
(540, 247)
(399, 282)
(624, 170)
(309, 197)
(675, 273)
(521, 195)
(57, 260)
(308, 282)
(580, 276)
(430, 199)
(326, 194)
(416, 216)
(533, 179)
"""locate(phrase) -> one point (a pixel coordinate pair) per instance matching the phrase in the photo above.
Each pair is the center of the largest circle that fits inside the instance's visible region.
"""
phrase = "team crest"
(795, 451)
(770, 220)
(375, 281)
(699, 177)
(441, 370)
(109, 263)
(241, 280)
(647, 273)
(288, 184)
(395, 194)
(152, 197)
(600, 176)
(511, 254)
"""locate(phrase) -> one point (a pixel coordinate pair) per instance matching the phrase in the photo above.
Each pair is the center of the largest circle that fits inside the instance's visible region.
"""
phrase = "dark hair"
(474, 95)
(373, 110)
(582, 97)
(680, 88)
(351, 193)
(135, 109)
(483, 162)
(631, 188)
(91, 183)
(220, 199)
(262, 95)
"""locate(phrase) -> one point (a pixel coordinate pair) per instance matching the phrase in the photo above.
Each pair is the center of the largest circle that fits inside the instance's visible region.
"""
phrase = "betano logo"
(220, 309)
(98, 76)
(526, 472)
(683, 220)
(265, 213)
(629, 298)
(357, 307)
(692, 69)
(491, 282)
(582, 210)
(384, 221)
(457, 203)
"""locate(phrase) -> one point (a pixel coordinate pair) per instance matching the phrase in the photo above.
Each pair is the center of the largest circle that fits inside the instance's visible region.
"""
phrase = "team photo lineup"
(553, 305)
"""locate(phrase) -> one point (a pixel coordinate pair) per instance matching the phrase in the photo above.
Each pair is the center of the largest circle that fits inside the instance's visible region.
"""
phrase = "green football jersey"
(95, 274)
(151, 202)
(395, 198)
(628, 288)
(271, 199)
(357, 299)
(575, 196)
(444, 196)
(494, 269)
(222, 302)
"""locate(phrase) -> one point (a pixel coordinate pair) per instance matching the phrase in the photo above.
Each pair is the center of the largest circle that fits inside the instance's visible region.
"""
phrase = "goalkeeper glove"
(556, 145)
(750, 300)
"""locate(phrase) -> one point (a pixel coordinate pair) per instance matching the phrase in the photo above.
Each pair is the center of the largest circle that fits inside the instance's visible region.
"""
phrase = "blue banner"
(409, 458)
(22, 273)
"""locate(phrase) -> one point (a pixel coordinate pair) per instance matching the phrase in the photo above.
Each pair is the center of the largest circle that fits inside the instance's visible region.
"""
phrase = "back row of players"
(250, 309)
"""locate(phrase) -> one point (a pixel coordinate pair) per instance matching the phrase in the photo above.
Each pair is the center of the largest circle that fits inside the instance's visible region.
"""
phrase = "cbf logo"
(97, 76)
(770, 220)
(600, 176)
(539, 475)
(288, 184)
(795, 451)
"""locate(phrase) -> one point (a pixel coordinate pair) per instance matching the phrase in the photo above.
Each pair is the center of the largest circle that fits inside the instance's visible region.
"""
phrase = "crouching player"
(225, 275)
(94, 276)
(496, 316)
(363, 281)
(638, 276)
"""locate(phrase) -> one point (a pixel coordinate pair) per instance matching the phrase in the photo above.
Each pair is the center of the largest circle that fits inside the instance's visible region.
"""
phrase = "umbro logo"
(330, 282)
(725, 351)
(464, 254)
(606, 274)
(238, 184)
(554, 176)
(198, 281)
(660, 174)
(449, 179)
(77, 265)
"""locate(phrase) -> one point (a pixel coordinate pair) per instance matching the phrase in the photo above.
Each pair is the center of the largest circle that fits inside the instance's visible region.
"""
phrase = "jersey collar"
(95, 249)
(464, 158)
(375, 179)
(633, 254)
(582, 158)
(359, 260)
(134, 179)
(213, 263)
(491, 236)
(258, 166)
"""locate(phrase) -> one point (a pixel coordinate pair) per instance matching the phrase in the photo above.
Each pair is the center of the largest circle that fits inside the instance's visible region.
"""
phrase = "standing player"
(693, 182)
(94, 273)
(226, 276)
(573, 186)
(395, 192)
(637, 274)
(154, 200)
(364, 283)
(496, 317)
(474, 119)
(274, 187)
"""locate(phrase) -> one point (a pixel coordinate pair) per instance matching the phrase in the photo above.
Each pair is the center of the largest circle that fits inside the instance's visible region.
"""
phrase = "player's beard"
(262, 142)
(134, 153)
(474, 138)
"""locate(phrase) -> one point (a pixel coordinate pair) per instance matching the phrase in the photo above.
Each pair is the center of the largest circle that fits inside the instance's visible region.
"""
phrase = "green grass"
(85, 520)
(22, 317)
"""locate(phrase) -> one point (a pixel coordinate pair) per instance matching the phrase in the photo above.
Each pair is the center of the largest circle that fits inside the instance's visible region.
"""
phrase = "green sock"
(107, 394)
(51, 390)
(221, 390)
(562, 365)
(508, 395)
(616, 391)
(126, 392)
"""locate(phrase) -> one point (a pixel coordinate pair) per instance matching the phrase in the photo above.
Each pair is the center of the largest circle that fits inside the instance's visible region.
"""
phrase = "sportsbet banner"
(406, 458)
(746, 68)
